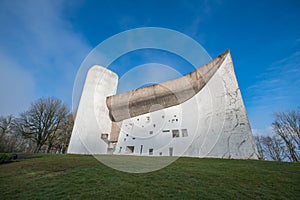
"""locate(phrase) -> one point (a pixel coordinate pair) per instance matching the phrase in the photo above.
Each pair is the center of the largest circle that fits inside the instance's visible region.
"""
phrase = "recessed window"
(104, 136)
(141, 150)
(133, 138)
(154, 125)
(162, 116)
(174, 115)
(150, 151)
(151, 132)
(130, 149)
(166, 131)
(176, 120)
(124, 139)
(138, 119)
(160, 153)
(175, 133)
(184, 132)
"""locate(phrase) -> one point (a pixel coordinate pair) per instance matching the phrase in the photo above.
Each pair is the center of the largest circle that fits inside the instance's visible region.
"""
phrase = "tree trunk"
(37, 148)
(49, 147)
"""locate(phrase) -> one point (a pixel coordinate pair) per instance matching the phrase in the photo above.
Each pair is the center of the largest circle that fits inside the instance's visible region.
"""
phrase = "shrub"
(4, 158)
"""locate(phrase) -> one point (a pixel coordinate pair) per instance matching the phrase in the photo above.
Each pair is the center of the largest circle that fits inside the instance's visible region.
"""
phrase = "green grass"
(83, 177)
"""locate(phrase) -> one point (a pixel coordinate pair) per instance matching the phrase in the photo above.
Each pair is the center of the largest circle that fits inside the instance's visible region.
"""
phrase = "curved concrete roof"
(163, 95)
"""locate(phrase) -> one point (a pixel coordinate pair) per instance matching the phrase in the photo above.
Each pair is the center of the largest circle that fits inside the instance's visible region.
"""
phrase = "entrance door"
(171, 151)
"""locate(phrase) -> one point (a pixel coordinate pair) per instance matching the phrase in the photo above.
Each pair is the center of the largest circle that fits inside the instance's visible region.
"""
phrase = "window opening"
(175, 133)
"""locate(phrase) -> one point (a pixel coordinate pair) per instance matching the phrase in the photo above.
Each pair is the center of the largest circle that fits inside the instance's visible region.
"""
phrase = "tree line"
(45, 127)
(284, 145)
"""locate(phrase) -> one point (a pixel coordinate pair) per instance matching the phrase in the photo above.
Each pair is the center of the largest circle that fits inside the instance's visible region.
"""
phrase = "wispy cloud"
(268, 131)
(275, 90)
(201, 12)
(43, 45)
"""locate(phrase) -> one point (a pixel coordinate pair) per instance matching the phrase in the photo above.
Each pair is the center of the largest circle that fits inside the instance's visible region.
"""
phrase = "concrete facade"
(201, 114)
(92, 125)
(170, 93)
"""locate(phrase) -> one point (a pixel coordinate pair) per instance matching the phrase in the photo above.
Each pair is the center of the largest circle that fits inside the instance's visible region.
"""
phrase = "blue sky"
(42, 44)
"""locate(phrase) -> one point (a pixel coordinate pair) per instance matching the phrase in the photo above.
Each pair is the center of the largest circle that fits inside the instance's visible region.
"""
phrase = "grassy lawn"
(83, 177)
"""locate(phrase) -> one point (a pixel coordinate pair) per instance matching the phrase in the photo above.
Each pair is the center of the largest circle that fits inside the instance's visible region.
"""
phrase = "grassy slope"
(74, 176)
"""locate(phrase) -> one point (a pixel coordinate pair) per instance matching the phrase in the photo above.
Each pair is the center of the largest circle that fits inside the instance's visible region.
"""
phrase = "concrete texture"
(201, 114)
(213, 123)
(92, 121)
(170, 93)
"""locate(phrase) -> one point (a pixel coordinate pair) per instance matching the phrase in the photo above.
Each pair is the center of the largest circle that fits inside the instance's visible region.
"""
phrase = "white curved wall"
(215, 120)
(213, 123)
(92, 118)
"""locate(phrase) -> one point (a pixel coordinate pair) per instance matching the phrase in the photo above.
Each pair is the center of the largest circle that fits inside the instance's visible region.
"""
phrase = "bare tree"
(60, 140)
(273, 148)
(260, 148)
(42, 120)
(6, 126)
(10, 139)
(287, 126)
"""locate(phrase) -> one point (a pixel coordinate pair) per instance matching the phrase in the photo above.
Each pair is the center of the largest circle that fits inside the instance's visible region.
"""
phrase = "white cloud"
(16, 87)
(43, 44)
(263, 132)
(276, 90)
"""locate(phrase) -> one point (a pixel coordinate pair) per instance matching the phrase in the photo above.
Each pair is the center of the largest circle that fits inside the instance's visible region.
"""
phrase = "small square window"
(150, 151)
(184, 132)
(175, 133)
(104, 136)
(151, 132)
